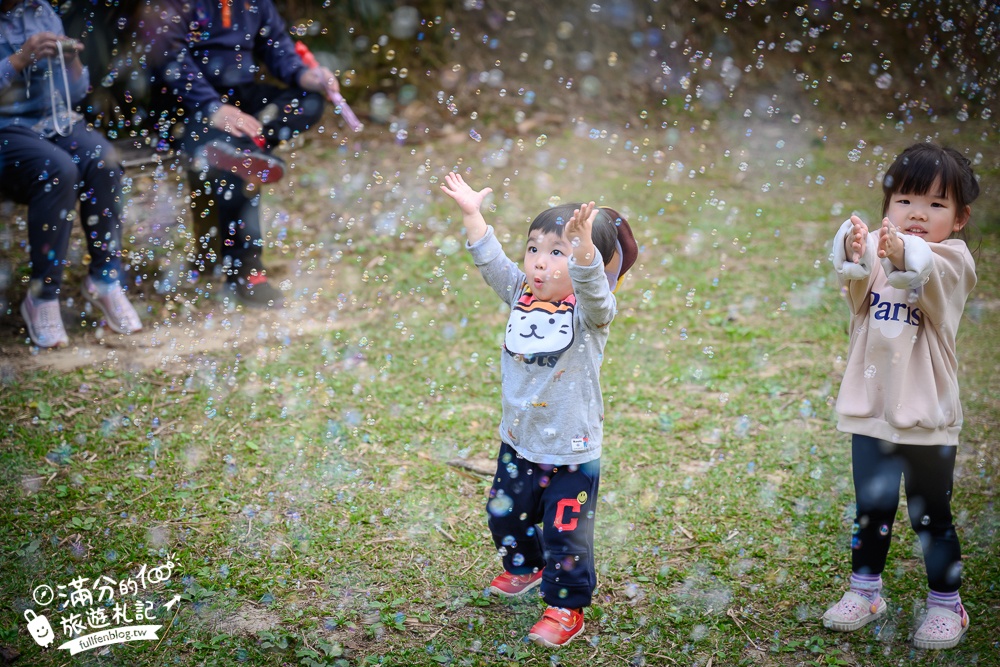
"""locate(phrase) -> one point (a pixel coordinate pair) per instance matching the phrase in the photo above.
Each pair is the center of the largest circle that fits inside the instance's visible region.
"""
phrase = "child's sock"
(868, 586)
(949, 601)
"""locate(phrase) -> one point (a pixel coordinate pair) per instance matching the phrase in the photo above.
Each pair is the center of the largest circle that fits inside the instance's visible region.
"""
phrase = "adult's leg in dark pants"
(513, 512)
(570, 502)
(221, 200)
(36, 172)
(99, 190)
(878, 468)
(205, 223)
(239, 227)
(284, 112)
(928, 482)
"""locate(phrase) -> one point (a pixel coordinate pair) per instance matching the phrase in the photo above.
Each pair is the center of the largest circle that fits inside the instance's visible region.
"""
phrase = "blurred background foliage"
(416, 65)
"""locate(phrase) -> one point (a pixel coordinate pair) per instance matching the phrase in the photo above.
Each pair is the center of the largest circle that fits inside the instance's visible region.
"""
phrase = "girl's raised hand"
(890, 244)
(468, 200)
(858, 239)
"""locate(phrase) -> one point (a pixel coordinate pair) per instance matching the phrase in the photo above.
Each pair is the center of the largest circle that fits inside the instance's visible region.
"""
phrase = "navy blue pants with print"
(563, 499)
(927, 473)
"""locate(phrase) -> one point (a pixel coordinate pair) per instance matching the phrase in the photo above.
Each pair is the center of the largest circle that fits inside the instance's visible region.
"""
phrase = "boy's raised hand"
(468, 200)
(581, 222)
(857, 239)
(578, 233)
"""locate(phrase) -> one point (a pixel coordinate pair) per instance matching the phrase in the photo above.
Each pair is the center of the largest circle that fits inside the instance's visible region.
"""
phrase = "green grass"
(299, 475)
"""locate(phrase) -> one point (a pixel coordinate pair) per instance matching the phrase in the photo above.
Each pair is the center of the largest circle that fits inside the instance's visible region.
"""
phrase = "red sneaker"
(557, 627)
(514, 585)
(250, 165)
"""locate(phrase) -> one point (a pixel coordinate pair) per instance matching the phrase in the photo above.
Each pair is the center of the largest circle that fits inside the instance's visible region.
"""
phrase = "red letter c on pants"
(571, 504)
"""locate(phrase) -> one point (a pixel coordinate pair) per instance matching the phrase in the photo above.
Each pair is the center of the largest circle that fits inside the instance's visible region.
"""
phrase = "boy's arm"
(590, 284)
(578, 232)
(594, 300)
(469, 201)
(499, 272)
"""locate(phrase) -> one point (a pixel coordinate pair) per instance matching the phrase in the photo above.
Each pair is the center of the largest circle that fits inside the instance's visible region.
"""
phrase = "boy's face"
(546, 265)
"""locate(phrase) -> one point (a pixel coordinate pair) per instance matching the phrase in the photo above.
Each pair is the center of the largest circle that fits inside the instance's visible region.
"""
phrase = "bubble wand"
(309, 60)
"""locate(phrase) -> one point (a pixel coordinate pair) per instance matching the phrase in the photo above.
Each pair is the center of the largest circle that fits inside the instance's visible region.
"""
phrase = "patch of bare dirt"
(248, 621)
(183, 335)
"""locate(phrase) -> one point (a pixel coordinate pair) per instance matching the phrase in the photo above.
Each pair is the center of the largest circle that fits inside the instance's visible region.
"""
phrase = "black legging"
(51, 176)
(927, 471)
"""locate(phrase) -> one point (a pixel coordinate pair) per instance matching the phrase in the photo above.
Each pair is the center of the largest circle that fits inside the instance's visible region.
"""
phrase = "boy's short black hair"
(603, 233)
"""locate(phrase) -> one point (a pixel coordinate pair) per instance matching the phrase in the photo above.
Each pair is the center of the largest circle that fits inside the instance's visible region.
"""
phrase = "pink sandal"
(852, 612)
(942, 628)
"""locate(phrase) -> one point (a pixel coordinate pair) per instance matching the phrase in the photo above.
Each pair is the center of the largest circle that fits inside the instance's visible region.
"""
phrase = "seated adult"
(208, 77)
(50, 160)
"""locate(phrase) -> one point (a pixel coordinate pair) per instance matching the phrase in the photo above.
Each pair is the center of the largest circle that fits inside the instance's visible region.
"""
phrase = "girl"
(906, 285)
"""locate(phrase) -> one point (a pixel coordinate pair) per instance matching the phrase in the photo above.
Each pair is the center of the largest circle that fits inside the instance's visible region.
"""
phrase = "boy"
(548, 468)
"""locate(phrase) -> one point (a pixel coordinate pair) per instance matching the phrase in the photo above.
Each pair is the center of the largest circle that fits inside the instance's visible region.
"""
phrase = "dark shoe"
(248, 164)
(257, 294)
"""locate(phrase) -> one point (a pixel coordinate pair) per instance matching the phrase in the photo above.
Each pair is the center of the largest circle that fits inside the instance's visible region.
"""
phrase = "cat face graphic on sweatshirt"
(540, 327)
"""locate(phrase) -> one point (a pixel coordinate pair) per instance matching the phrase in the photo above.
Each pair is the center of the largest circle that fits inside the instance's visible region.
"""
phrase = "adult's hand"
(235, 122)
(42, 45)
(320, 80)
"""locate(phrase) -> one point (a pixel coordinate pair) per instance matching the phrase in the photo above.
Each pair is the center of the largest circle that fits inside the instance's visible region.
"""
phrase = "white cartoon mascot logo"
(540, 327)
(39, 628)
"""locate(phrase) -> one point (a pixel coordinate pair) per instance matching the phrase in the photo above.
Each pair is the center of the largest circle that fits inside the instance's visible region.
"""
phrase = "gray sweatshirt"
(553, 410)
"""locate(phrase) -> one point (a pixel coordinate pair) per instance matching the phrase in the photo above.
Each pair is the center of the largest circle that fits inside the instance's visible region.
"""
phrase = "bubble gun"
(309, 60)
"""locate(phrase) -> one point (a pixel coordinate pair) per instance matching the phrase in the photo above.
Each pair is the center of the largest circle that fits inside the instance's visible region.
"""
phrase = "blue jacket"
(220, 45)
(26, 97)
